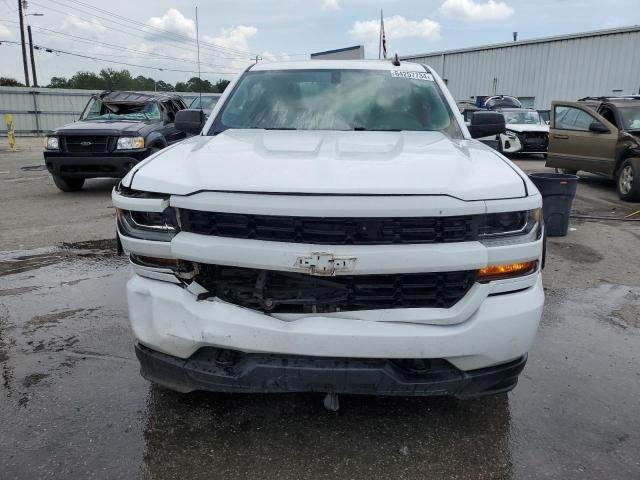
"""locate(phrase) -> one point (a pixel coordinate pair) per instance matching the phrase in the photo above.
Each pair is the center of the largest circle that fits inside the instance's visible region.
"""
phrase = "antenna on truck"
(198, 49)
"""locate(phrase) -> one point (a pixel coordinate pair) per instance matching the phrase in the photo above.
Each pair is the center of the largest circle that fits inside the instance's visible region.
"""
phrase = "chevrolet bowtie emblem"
(324, 263)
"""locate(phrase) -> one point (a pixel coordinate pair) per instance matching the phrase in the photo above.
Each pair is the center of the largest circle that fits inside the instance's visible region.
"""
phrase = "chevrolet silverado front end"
(313, 241)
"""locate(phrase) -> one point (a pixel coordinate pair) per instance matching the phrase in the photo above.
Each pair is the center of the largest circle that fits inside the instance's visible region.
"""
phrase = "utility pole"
(33, 59)
(24, 48)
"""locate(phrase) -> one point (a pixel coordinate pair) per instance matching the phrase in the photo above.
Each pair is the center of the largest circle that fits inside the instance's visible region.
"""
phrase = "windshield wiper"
(364, 129)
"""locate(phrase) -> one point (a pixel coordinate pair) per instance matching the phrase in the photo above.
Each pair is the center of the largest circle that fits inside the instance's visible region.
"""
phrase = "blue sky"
(234, 30)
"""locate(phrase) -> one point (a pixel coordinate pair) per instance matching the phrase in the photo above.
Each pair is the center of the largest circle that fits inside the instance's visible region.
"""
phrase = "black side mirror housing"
(597, 127)
(485, 124)
(190, 121)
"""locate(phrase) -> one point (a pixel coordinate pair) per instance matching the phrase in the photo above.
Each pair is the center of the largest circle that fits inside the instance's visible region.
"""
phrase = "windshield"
(338, 100)
(207, 103)
(630, 117)
(522, 118)
(100, 110)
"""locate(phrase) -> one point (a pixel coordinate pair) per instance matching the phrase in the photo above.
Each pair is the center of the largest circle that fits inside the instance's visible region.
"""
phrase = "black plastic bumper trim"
(95, 166)
(218, 370)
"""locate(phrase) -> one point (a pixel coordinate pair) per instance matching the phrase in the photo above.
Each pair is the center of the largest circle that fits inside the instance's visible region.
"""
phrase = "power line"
(94, 22)
(55, 33)
(91, 57)
(176, 34)
(216, 50)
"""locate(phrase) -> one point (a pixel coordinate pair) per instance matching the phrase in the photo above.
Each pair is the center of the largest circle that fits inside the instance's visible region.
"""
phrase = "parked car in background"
(205, 102)
(467, 109)
(545, 115)
(333, 228)
(598, 135)
(116, 130)
(526, 132)
(502, 101)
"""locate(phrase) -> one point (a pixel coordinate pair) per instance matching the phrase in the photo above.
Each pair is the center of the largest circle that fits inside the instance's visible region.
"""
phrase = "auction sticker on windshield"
(412, 75)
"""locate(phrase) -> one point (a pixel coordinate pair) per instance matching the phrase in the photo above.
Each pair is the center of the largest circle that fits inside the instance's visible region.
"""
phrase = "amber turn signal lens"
(501, 272)
(155, 261)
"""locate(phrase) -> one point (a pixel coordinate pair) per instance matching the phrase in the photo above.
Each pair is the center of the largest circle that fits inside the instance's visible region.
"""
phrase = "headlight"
(51, 143)
(511, 134)
(155, 226)
(512, 227)
(130, 143)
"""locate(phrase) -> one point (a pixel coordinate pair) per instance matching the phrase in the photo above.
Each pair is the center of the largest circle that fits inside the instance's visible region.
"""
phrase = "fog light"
(501, 272)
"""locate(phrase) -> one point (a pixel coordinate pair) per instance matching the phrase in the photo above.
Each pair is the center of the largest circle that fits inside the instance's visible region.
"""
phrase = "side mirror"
(485, 124)
(190, 121)
(597, 127)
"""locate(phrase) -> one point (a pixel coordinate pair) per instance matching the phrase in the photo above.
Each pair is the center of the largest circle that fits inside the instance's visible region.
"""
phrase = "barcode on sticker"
(412, 75)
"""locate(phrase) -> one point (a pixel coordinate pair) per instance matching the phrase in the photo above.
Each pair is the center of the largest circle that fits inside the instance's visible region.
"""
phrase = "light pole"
(33, 58)
(24, 49)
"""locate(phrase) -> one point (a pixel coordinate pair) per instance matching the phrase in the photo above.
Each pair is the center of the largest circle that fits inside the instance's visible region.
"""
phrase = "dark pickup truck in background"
(115, 131)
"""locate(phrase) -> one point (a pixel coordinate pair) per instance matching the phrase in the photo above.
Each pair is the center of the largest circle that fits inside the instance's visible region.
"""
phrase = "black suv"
(116, 130)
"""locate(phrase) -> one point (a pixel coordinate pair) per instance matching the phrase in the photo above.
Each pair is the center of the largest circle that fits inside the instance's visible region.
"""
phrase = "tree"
(114, 80)
(221, 85)
(86, 80)
(164, 87)
(109, 79)
(10, 82)
(58, 82)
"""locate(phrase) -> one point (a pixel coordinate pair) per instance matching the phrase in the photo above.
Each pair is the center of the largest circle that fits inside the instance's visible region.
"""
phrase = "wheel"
(628, 180)
(153, 150)
(68, 184)
(566, 171)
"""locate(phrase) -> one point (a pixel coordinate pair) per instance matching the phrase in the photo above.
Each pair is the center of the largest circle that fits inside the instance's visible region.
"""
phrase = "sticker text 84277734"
(412, 75)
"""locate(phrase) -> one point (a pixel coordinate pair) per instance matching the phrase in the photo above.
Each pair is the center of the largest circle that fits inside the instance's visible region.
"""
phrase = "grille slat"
(331, 231)
(284, 292)
(86, 144)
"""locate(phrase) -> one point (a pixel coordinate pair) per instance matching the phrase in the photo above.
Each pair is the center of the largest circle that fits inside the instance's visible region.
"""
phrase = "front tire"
(68, 184)
(628, 180)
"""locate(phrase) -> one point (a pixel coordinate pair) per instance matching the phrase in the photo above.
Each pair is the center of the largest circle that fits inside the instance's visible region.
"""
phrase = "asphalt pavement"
(72, 404)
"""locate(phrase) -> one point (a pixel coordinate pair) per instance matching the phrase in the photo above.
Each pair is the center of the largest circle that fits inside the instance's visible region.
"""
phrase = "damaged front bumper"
(497, 328)
(223, 370)
(524, 142)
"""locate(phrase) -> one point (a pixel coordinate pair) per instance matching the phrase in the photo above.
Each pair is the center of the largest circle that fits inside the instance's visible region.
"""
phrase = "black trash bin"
(557, 190)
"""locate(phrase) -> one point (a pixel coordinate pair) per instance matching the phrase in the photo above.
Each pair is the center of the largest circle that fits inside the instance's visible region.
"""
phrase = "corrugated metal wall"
(559, 69)
(41, 110)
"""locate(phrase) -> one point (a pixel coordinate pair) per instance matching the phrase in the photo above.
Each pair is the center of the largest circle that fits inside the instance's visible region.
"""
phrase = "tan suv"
(598, 135)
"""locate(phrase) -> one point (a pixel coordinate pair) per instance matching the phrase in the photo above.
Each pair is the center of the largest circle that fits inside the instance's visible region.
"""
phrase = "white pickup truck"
(333, 227)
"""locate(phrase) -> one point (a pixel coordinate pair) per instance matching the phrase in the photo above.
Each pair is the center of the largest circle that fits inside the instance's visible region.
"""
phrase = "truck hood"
(322, 162)
(115, 127)
(517, 127)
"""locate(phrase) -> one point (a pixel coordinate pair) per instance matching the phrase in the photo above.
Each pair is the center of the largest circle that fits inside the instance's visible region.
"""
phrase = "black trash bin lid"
(562, 178)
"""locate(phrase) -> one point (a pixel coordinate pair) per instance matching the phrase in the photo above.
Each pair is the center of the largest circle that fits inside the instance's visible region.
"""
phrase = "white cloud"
(234, 38)
(172, 21)
(85, 26)
(395, 27)
(330, 5)
(5, 33)
(475, 11)
(275, 57)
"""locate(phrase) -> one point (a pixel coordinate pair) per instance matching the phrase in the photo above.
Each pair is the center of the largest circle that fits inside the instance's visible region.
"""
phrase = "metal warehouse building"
(568, 67)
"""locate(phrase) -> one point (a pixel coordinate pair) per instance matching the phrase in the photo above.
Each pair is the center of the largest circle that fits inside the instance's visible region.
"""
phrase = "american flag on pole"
(383, 39)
